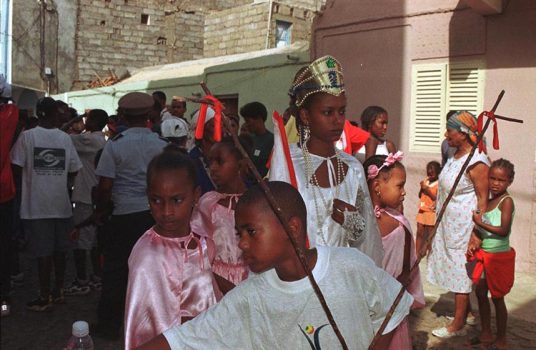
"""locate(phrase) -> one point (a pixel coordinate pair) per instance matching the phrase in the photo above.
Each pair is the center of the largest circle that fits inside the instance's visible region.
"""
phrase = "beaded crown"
(322, 75)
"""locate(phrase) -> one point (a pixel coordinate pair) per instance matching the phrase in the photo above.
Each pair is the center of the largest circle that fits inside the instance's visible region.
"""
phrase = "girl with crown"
(332, 183)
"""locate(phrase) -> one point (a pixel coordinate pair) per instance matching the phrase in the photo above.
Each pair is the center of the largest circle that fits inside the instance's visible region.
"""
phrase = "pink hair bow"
(373, 170)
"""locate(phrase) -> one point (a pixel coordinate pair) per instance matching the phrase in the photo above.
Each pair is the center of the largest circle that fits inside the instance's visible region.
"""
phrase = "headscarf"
(464, 121)
(322, 75)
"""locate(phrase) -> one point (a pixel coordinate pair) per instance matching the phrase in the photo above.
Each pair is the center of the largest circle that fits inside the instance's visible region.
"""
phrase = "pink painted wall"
(378, 41)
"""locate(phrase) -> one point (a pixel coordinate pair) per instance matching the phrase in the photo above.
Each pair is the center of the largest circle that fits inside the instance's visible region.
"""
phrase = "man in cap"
(48, 160)
(122, 170)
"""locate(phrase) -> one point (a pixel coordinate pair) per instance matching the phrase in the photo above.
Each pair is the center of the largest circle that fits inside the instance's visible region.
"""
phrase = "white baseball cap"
(174, 127)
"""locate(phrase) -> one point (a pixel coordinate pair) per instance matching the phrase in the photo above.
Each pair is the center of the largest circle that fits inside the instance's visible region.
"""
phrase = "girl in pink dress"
(386, 178)
(216, 212)
(170, 279)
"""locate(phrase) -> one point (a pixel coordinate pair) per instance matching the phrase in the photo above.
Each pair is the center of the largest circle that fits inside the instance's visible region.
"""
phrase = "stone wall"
(122, 36)
(314, 5)
(226, 4)
(236, 30)
(245, 28)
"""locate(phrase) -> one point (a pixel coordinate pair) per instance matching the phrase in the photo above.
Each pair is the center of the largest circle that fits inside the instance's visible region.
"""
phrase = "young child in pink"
(386, 178)
(170, 279)
(216, 212)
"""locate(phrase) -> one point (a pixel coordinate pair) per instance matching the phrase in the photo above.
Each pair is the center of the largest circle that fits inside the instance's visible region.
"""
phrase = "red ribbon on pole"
(489, 115)
(200, 127)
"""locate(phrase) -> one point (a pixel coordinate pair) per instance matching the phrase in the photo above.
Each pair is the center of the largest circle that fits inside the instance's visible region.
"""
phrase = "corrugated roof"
(197, 67)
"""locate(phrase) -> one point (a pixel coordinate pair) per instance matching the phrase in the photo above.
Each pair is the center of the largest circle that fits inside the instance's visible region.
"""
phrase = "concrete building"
(64, 45)
(420, 59)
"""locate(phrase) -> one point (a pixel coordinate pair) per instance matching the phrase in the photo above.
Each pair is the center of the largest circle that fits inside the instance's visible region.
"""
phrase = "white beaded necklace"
(311, 178)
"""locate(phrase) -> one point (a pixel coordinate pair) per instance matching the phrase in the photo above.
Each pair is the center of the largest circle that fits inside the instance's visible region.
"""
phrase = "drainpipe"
(269, 27)
(42, 20)
(6, 16)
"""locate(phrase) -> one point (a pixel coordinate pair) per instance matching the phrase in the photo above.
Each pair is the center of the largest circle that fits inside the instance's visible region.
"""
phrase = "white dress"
(446, 263)
(321, 228)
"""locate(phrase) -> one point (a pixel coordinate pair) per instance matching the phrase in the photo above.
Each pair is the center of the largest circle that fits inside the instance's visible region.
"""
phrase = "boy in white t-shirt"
(277, 308)
(87, 145)
(48, 160)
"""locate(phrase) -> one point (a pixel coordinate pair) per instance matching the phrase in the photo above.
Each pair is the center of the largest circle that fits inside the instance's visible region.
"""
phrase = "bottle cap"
(80, 329)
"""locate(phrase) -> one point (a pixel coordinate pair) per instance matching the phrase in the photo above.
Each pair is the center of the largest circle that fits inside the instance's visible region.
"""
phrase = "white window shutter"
(428, 107)
(465, 87)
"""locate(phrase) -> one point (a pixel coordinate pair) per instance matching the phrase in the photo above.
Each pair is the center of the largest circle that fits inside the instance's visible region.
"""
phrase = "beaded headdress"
(322, 75)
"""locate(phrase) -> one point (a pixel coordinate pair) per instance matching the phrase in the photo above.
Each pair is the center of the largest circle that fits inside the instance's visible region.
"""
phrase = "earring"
(378, 193)
(305, 132)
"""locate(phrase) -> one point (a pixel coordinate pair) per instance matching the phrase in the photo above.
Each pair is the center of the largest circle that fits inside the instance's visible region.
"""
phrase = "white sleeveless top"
(381, 149)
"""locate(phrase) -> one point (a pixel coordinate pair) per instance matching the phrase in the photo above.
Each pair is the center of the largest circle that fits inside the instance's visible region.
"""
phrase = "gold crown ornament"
(322, 75)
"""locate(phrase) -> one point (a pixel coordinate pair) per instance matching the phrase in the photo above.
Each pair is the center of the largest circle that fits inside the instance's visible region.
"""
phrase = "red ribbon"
(200, 127)
(489, 115)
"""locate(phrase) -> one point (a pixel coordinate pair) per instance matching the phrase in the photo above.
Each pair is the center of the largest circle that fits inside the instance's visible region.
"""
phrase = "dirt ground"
(51, 330)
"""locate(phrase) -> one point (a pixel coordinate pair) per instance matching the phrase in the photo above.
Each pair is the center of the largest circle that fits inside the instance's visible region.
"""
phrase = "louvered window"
(437, 89)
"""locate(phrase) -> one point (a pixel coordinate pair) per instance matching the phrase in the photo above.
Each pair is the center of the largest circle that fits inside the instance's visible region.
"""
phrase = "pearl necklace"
(311, 179)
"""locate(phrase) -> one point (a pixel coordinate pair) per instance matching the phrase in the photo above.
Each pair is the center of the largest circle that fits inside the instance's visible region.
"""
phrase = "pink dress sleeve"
(166, 282)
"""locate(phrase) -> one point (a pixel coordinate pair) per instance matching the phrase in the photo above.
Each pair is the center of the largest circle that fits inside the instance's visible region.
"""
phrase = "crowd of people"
(183, 242)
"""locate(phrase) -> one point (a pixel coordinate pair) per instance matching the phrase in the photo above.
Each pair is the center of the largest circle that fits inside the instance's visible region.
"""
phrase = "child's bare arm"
(507, 208)
(391, 147)
(158, 343)
(474, 243)
(427, 191)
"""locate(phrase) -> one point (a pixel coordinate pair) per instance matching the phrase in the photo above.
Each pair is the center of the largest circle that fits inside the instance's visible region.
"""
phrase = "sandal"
(445, 334)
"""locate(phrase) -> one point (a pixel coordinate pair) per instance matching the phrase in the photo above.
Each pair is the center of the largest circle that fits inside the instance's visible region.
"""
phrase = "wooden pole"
(428, 241)
(279, 213)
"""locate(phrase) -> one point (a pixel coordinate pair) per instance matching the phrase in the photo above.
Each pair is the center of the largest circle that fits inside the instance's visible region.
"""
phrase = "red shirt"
(355, 136)
(9, 117)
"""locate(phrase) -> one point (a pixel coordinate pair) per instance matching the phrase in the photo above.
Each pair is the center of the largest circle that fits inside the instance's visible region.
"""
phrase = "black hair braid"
(506, 165)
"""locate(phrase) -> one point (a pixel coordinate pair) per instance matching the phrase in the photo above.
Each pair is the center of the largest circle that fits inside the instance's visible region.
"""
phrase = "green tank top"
(491, 242)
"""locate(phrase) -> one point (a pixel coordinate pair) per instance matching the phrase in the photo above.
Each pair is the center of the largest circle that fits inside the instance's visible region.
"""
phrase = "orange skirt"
(426, 218)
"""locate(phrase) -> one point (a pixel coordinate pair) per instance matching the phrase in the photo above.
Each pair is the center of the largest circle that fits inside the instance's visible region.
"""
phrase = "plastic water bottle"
(81, 339)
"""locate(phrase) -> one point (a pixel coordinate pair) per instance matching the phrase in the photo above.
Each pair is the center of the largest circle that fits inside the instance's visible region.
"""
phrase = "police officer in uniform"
(122, 170)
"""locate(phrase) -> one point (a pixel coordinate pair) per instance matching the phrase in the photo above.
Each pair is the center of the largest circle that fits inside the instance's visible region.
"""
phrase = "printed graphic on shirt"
(49, 161)
(310, 330)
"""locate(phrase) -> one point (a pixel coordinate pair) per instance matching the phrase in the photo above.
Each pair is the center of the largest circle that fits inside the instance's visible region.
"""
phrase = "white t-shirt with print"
(46, 156)
(264, 312)
(87, 145)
